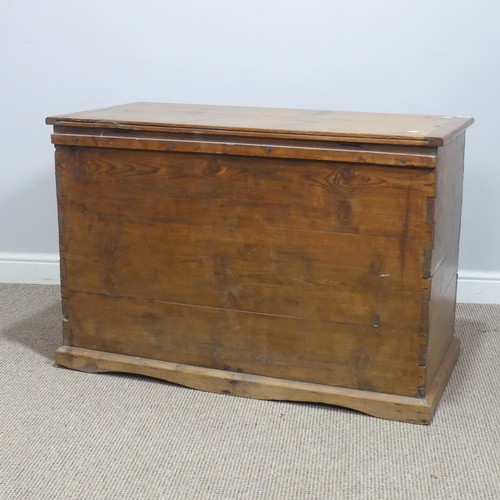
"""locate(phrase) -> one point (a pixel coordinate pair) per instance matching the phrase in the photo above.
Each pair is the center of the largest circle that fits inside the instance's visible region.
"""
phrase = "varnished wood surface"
(355, 152)
(246, 192)
(274, 122)
(286, 276)
(448, 208)
(373, 154)
(298, 247)
(346, 355)
(401, 408)
(272, 253)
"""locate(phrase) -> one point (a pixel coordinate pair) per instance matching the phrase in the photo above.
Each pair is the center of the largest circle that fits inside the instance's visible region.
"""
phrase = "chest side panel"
(444, 263)
(310, 271)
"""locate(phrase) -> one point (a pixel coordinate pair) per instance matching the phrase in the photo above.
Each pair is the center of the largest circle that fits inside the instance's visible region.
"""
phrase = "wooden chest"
(268, 253)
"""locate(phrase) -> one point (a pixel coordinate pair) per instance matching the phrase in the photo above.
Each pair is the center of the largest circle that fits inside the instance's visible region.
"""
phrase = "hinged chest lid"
(349, 127)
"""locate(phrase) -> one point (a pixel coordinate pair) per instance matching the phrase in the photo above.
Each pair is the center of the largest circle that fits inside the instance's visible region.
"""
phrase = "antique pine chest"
(269, 253)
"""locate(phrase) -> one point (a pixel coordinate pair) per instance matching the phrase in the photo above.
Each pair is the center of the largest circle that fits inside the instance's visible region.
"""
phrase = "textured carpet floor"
(71, 435)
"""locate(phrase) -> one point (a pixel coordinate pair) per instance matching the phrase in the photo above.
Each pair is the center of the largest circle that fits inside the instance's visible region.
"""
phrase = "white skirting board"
(39, 268)
(477, 287)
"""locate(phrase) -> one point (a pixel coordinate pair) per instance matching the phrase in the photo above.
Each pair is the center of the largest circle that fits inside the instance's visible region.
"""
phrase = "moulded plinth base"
(388, 406)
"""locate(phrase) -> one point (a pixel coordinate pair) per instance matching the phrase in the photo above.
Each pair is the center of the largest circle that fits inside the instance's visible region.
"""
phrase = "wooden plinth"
(388, 406)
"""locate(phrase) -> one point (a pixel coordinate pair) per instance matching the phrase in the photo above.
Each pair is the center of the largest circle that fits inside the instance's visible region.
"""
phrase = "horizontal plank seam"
(215, 308)
(143, 299)
(134, 218)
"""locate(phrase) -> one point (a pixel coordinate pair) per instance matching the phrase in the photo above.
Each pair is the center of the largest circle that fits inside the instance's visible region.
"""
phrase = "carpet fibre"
(71, 435)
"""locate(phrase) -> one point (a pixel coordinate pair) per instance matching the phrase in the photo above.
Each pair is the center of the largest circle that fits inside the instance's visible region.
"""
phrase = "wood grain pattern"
(392, 407)
(445, 253)
(286, 270)
(238, 191)
(282, 272)
(146, 243)
(293, 255)
(263, 344)
(269, 122)
(373, 154)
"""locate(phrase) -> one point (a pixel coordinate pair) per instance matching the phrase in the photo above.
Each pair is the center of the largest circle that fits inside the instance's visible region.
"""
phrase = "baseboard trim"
(477, 287)
(474, 287)
(37, 268)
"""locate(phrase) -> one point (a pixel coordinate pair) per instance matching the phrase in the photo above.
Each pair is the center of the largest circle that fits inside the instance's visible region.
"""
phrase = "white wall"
(436, 57)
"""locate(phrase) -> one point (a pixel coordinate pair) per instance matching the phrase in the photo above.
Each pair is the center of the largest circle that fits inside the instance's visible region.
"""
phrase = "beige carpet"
(70, 435)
